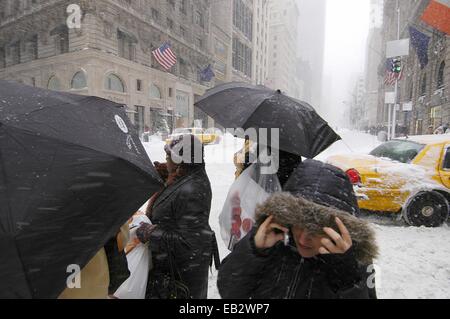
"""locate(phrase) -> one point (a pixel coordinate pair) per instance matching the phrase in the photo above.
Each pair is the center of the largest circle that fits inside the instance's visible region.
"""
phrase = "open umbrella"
(72, 171)
(239, 105)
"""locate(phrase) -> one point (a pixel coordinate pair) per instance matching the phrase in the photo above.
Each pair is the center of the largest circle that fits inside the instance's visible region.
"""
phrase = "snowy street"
(413, 262)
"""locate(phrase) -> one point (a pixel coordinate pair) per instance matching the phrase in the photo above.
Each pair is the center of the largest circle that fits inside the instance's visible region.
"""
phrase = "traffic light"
(396, 65)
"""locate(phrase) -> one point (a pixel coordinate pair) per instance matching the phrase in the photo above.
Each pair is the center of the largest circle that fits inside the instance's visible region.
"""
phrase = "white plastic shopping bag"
(238, 213)
(139, 261)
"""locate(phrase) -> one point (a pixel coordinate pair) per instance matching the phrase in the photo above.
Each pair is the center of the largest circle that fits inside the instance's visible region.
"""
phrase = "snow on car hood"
(380, 173)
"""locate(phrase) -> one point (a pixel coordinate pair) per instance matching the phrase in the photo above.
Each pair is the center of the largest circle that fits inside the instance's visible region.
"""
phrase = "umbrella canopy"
(72, 171)
(239, 105)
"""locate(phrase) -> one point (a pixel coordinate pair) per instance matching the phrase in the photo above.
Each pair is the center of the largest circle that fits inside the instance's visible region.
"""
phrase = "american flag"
(165, 56)
(390, 76)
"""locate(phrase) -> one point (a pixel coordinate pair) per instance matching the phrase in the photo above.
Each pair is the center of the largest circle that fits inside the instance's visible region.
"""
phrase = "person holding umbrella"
(72, 172)
(244, 106)
(181, 241)
(306, 245)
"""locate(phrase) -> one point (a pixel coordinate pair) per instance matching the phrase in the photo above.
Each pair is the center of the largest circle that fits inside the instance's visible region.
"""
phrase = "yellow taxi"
(205, 136)
(408, 176)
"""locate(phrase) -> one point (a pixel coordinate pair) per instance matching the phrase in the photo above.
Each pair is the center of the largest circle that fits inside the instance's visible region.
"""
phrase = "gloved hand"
(144, 232)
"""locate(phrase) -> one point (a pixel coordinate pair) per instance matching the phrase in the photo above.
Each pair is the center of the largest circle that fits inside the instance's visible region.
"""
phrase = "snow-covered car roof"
(428, 139)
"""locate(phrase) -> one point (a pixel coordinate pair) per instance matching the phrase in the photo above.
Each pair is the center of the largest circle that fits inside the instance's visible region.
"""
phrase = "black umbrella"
(240, 105)
(72, 171)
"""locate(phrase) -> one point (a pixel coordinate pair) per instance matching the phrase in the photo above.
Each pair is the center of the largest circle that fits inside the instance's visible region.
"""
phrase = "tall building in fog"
(260, 41)
(221, 39)
(374, 58)
(376, 13)
(250, 27)
(283, 46)
(311, 49)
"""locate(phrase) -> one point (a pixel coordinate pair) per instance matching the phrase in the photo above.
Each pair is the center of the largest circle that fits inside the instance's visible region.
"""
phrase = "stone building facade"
(426, 89)
(111, 54)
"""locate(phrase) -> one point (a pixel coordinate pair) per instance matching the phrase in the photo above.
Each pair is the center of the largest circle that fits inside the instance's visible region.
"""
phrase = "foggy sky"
(345, 44)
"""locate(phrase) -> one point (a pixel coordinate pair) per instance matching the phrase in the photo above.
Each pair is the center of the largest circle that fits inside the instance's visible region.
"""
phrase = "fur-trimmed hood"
(290, 211)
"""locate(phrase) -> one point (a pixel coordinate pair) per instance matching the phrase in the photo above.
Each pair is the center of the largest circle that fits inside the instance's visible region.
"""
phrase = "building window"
(155, 92)
(34, 50)
(221, 49)
(61, 34)
(243, 18)
(183, 32)
(184, 5)
(170, 92)
(220, 67)
(423, 85)
(2, 57)
(184, 68)
(79, 81)
(15, 53)
(242, 57)
(139, 85)
(127, 45)
(199, 42)
(198, 19)
(440, 76)
(411, 91)
(155, 14)
(54, 84)
(160, 121)
(114, 83)
(139, 119)
(170, 24)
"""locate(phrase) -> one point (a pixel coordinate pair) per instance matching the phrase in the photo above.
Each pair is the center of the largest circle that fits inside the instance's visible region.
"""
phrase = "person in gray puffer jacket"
(307, 243)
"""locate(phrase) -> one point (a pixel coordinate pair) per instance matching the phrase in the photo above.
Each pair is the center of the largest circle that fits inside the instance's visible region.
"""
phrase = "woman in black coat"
(307, 244)
(181, 241)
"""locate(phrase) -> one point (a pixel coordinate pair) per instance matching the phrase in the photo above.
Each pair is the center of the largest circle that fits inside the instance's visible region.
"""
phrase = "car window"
(446, 164)
(400, 151)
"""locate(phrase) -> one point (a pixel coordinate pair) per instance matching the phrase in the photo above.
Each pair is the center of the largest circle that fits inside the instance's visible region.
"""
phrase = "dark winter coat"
(181, 213)
(280, 272)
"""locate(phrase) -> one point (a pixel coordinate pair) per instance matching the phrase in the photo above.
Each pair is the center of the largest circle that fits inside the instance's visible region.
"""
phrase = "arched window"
(155, 92)
(79, 81)
(423, 85)
(114, 83)
(54, 84)
(440, 75)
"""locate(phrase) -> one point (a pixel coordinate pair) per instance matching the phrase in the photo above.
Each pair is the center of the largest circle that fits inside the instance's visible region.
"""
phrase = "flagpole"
(394, 116)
